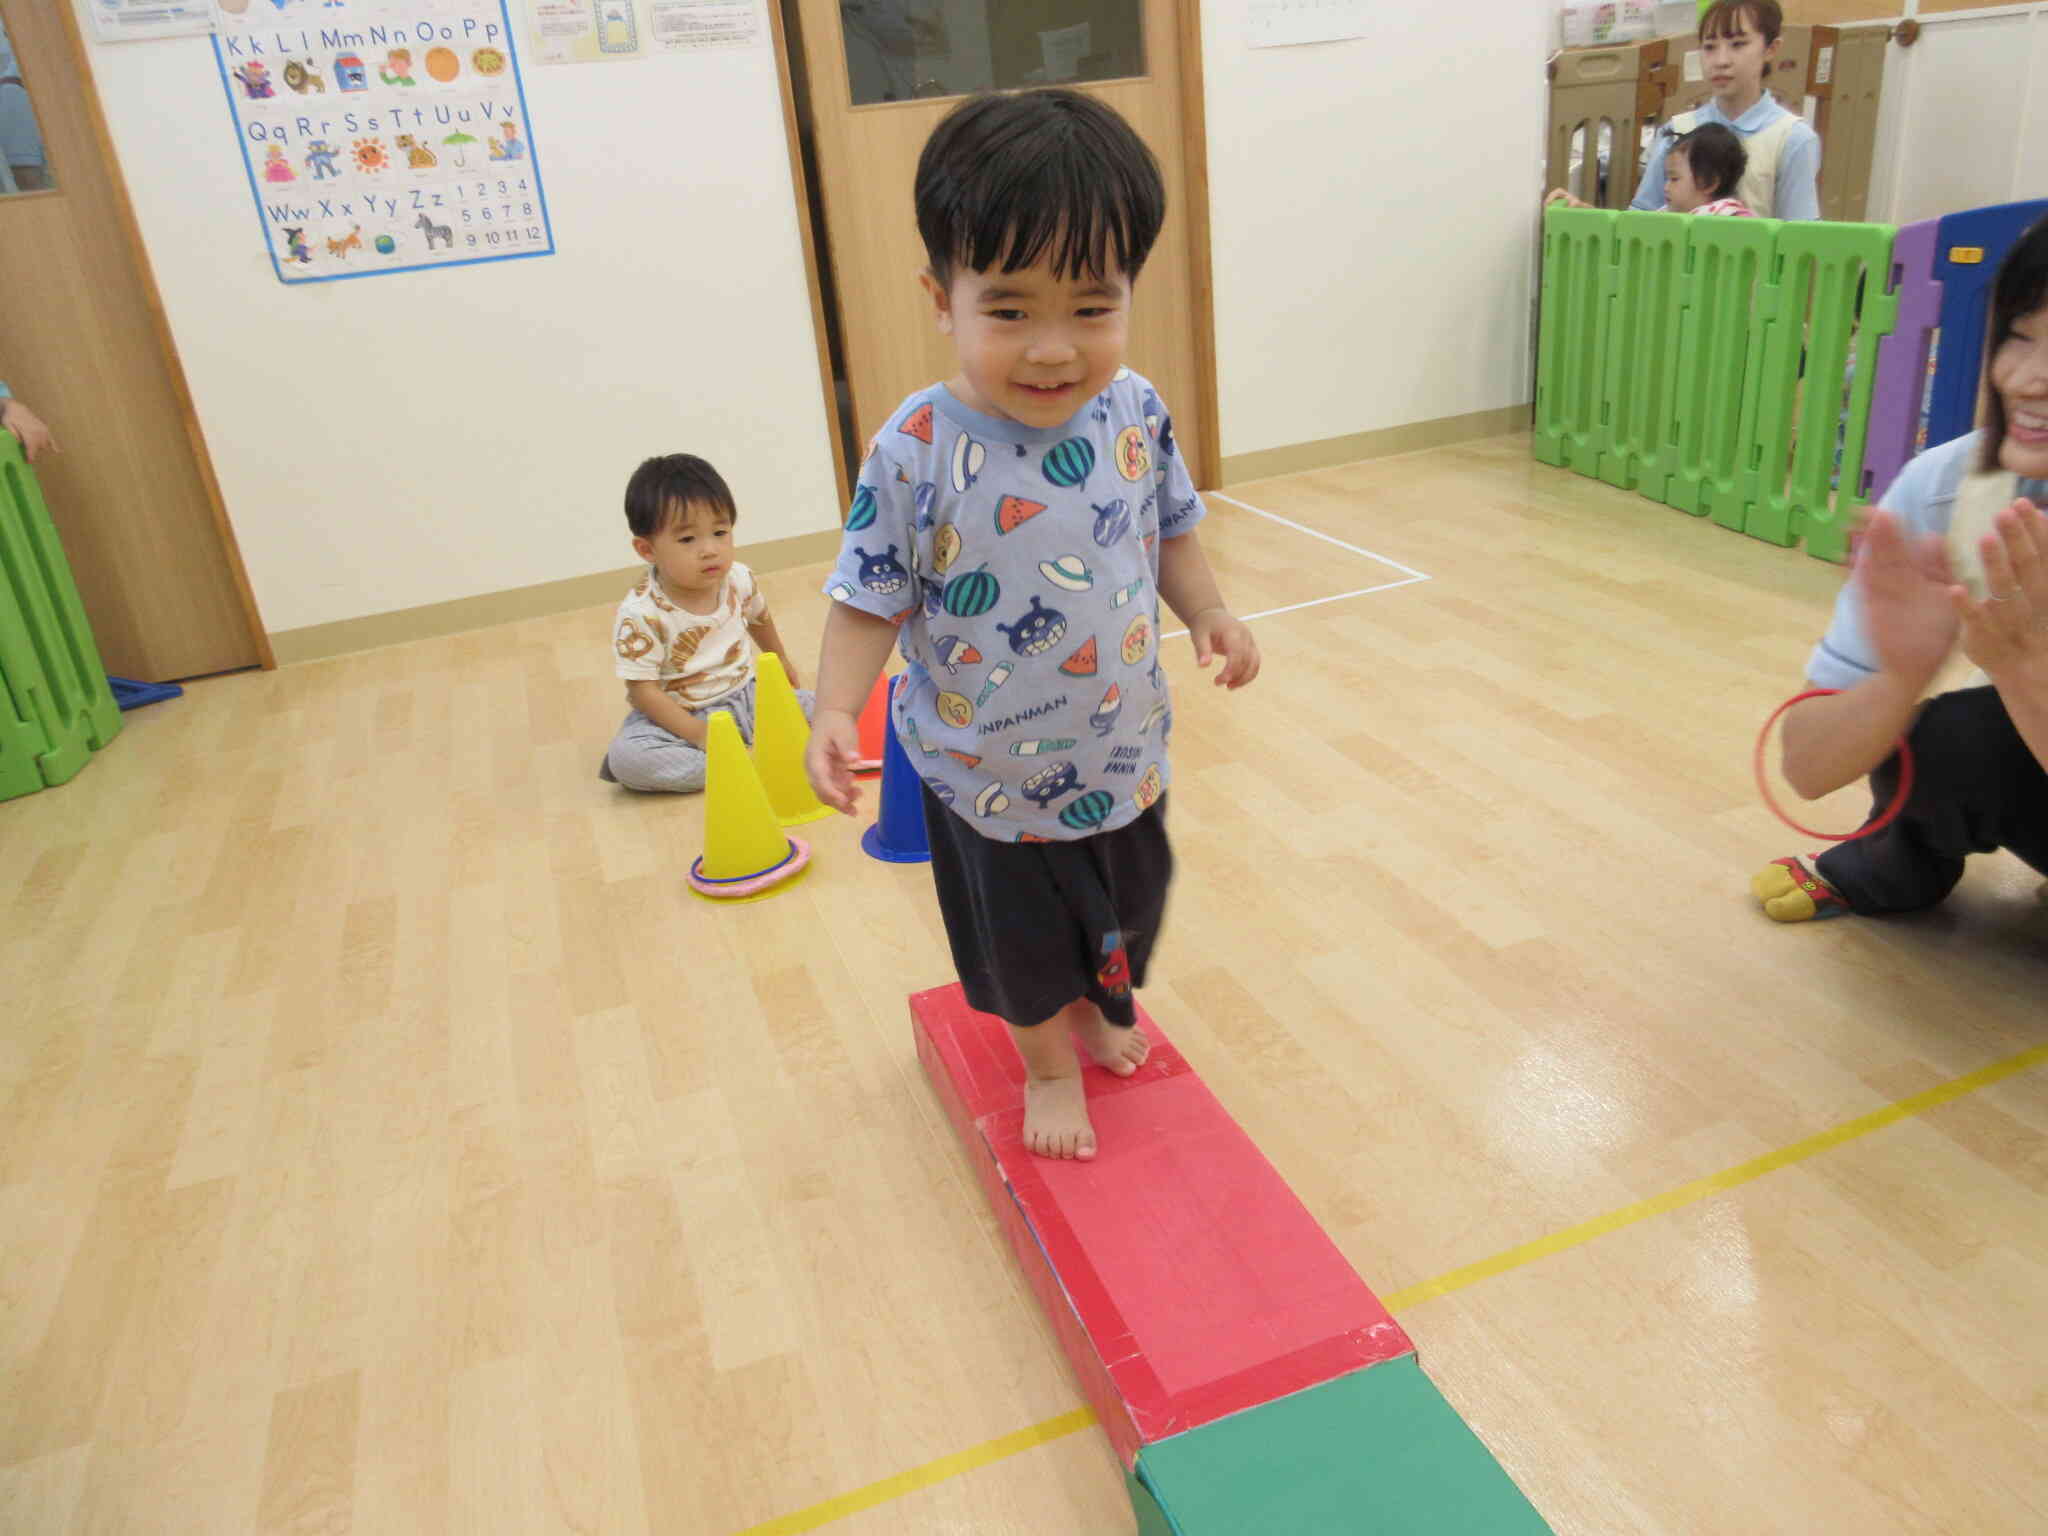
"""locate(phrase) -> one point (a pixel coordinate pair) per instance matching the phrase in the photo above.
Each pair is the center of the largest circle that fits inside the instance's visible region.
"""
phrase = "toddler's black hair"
(1007, 178)
(1716, 156)
(2020, 289)
(663, 489)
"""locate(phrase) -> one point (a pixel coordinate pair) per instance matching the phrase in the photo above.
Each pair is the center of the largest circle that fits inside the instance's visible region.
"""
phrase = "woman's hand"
(1906, 603)
(2007, 633)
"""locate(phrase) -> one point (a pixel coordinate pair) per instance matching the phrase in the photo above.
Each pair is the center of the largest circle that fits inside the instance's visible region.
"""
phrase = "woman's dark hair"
(1724, 18)
(1005, 179)
(664, 488)
(1716, 156)
(2021, 288)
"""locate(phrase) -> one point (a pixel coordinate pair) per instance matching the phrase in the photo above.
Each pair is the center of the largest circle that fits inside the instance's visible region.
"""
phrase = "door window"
(901, 50)
(24, 162)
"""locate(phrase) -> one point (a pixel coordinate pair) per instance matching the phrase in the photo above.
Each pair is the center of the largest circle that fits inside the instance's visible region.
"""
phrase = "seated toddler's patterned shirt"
(697, 657)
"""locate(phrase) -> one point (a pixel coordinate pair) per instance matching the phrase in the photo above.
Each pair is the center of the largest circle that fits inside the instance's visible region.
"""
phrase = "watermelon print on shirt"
(1022, 564)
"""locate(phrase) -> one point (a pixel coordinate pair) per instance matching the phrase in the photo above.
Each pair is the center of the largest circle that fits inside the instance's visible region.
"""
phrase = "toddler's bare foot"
(1056, 1117)
(1121, 1051)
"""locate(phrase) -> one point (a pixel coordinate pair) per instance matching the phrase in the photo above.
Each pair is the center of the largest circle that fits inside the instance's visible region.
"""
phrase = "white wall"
(396, 441)
(1964, 117)
(399, 441)
(1373, 213)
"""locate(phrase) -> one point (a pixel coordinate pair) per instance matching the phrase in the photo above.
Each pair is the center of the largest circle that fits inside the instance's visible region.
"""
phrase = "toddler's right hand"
(829, 759)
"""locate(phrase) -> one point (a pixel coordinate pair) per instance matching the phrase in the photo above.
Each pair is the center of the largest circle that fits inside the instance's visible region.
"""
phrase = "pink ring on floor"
(792, 865)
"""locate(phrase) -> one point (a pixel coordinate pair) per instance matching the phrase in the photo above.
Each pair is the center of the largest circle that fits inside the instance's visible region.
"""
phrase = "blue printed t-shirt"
(1023, 566)
(1923, 498)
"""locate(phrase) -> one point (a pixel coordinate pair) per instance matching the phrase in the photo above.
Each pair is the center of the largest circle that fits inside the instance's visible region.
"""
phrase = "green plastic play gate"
(56, 708)
(1720, 366)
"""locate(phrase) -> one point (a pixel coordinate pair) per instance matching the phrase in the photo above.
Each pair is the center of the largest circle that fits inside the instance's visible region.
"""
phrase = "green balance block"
(1378, 1451)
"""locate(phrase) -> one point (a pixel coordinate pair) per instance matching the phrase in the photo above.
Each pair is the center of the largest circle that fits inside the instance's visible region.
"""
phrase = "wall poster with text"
(382, 137)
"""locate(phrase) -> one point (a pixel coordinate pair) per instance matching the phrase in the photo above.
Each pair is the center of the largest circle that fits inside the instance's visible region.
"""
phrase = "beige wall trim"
(1332, 451)
(317, 642)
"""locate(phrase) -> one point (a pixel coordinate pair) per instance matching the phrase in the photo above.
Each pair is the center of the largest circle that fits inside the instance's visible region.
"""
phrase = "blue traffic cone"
(898, 835)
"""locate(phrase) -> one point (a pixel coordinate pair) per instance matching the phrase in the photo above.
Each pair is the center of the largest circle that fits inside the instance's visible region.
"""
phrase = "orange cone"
(874, 727)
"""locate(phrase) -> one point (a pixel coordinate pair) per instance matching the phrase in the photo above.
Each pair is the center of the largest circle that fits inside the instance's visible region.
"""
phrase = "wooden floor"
(391, 1145)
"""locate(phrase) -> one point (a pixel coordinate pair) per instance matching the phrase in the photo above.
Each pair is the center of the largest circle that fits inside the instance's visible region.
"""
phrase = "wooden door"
(84, 341)
(932, 51)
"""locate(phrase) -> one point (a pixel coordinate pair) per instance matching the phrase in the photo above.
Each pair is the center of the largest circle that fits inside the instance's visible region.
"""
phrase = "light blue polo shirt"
(1923, 498)
(1798, 185)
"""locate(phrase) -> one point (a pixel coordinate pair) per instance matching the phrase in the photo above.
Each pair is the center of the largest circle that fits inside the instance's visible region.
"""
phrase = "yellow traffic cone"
(780, 736)
(746, 853)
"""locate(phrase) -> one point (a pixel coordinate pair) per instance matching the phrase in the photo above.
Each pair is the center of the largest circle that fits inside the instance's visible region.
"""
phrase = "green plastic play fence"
(56, 708)
(1720, 366)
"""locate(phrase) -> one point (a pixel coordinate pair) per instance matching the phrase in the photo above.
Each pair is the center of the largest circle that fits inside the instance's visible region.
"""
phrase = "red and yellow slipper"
(1789, 892)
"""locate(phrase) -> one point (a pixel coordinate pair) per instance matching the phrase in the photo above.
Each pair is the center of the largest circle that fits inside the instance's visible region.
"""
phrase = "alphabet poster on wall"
(382, 137)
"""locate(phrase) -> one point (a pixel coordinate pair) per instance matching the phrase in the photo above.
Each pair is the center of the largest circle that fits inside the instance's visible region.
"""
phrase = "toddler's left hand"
(1215, 633)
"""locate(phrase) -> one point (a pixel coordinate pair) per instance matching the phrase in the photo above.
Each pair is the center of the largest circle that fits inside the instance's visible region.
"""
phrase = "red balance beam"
(1184, 1278)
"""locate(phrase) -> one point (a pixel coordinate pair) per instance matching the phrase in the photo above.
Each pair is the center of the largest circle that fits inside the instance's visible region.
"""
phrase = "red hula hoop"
(1876, 824)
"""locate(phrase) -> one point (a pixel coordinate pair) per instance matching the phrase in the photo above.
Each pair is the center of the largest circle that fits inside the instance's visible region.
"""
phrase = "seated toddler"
(687, 634)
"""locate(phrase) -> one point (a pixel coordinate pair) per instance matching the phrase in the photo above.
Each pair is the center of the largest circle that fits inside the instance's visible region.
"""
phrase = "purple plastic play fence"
(1902, 358)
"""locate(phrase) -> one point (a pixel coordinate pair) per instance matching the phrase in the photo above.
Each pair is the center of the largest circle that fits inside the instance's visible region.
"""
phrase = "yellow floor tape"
(1514, 1258)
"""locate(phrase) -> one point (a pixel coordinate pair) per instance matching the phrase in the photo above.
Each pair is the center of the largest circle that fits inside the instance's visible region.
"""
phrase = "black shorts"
(1034, 926)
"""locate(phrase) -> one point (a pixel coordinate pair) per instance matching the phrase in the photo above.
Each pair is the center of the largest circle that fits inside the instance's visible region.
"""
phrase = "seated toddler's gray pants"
(644, 756)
